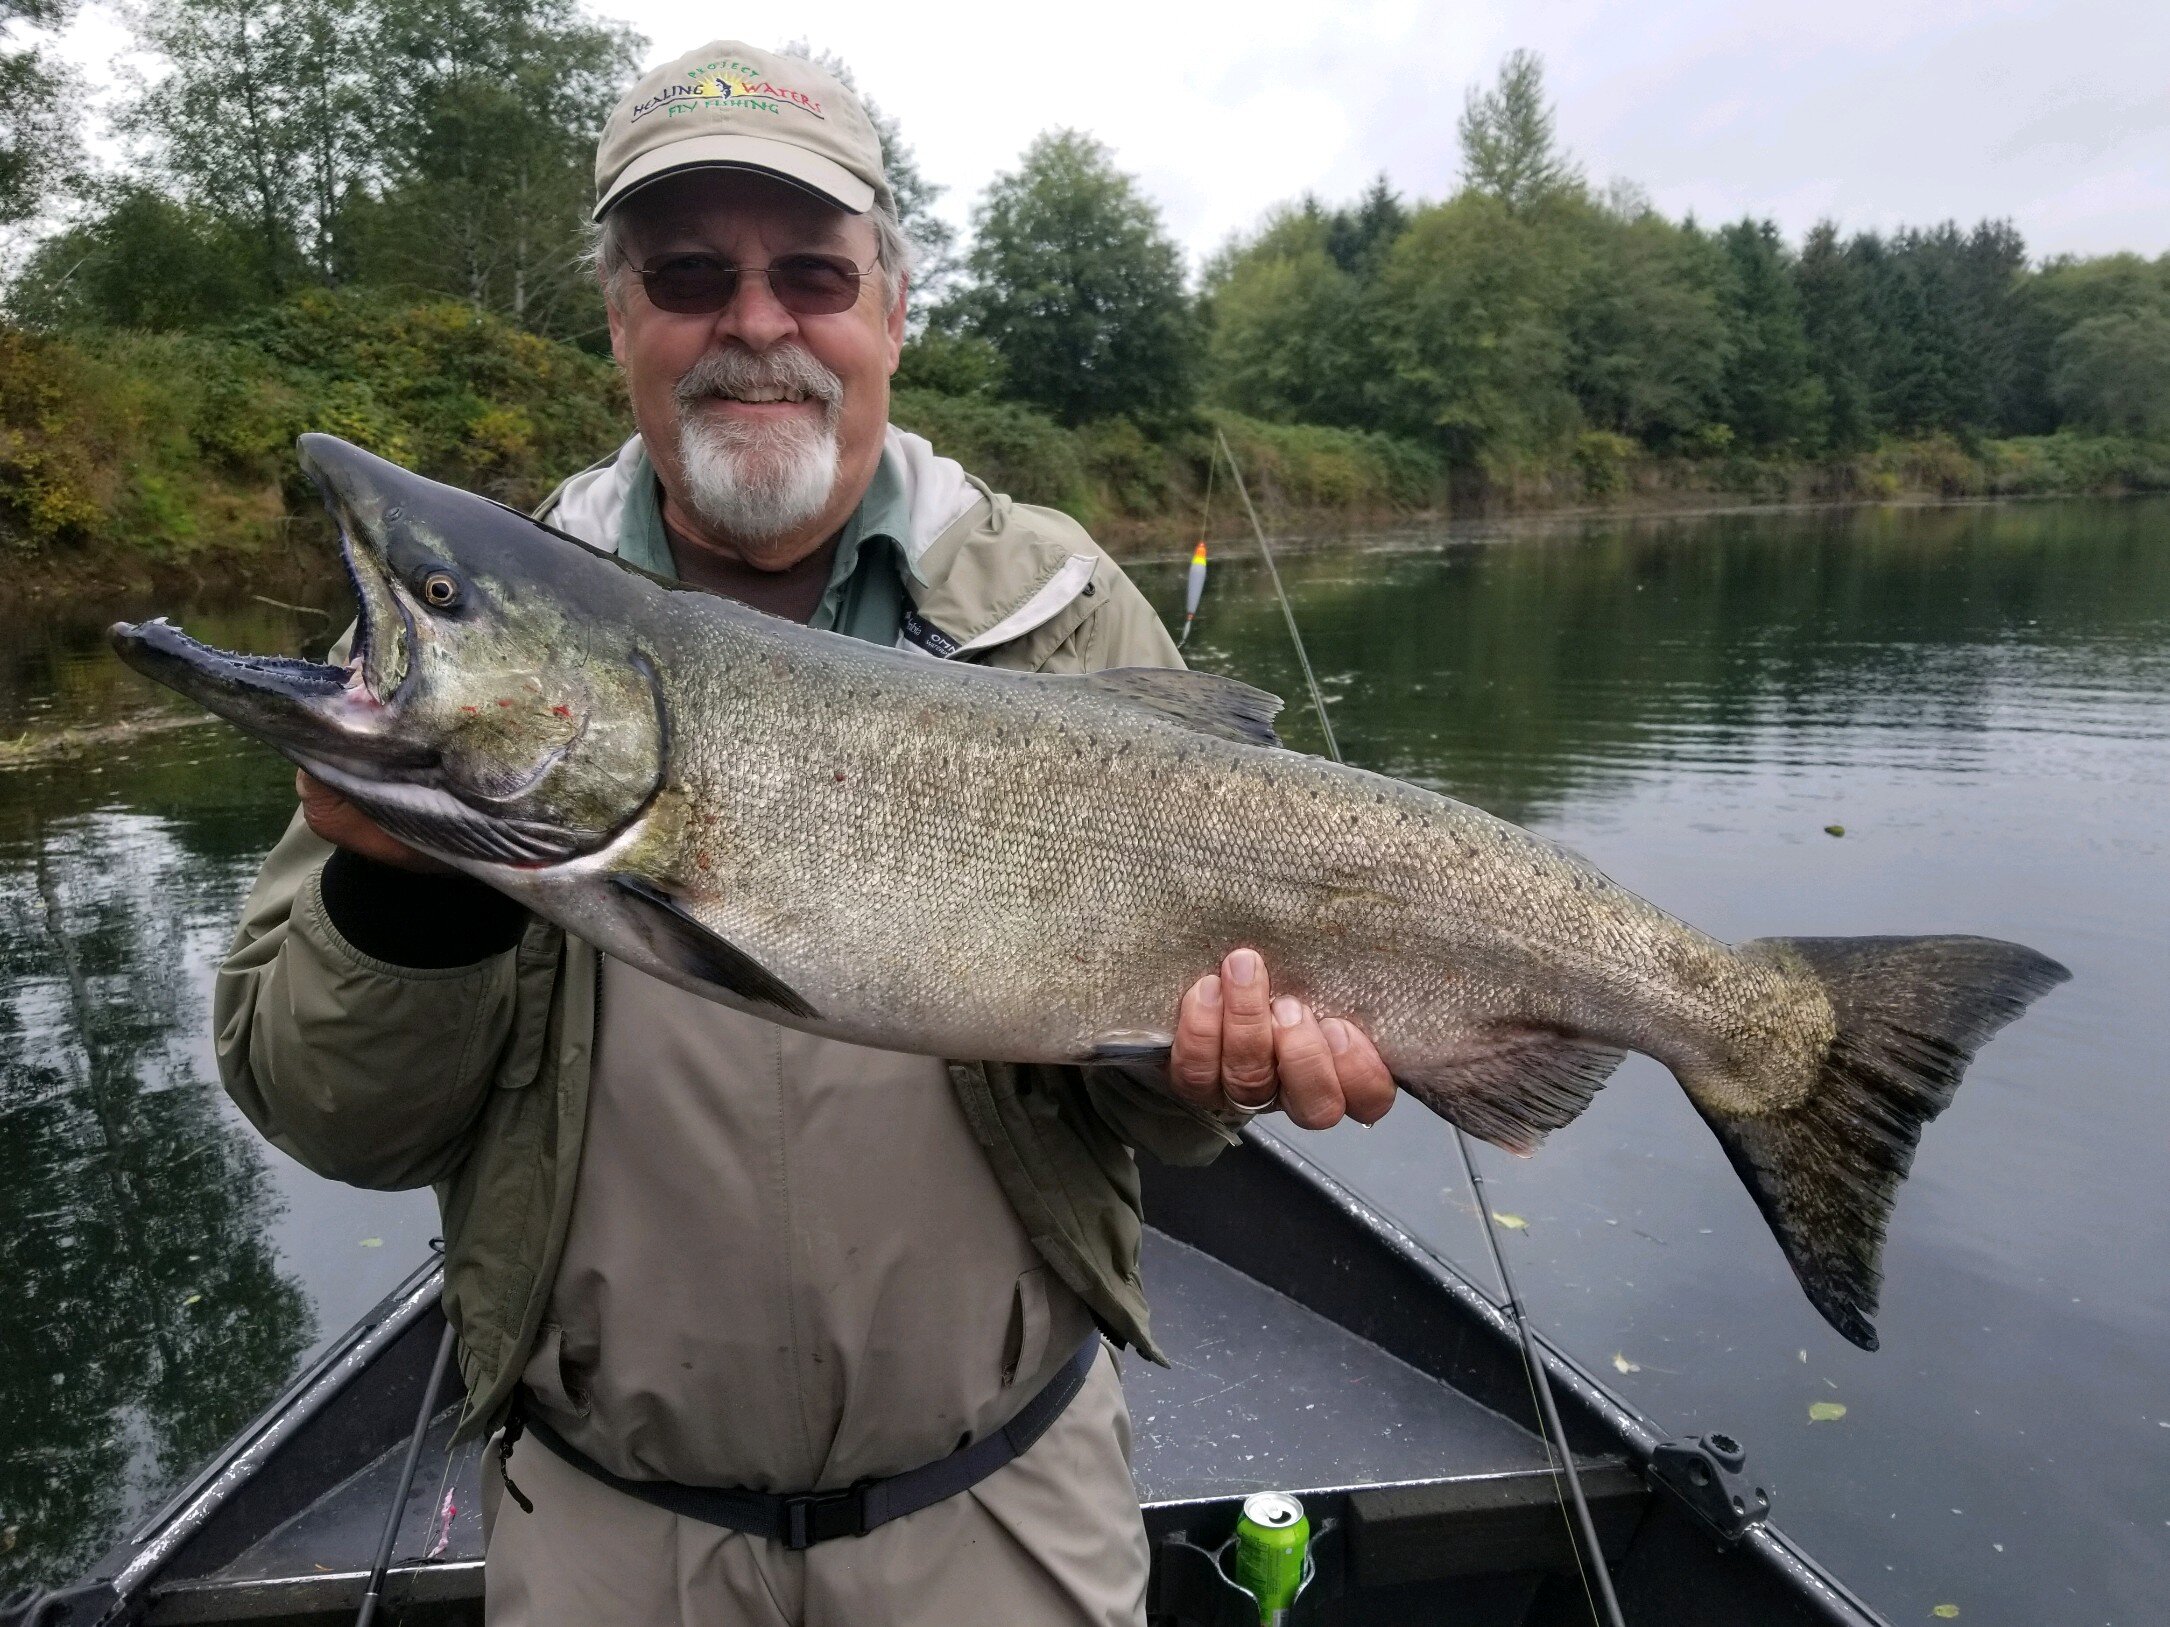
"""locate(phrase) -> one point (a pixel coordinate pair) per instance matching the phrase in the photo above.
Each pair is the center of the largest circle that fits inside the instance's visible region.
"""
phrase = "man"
(687, 1249)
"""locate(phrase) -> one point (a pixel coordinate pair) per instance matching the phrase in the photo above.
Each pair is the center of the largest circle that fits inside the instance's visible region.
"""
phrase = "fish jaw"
(309, 711)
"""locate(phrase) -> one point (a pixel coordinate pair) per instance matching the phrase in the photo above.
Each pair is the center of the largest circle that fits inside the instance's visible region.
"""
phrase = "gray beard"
(757, 482)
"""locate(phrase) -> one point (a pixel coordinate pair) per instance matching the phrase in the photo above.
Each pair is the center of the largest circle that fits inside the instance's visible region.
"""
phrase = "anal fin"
(1517, 1087)
(681, 941)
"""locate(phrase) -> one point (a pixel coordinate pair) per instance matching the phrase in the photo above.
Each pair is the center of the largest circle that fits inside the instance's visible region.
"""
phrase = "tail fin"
(1911, 1012)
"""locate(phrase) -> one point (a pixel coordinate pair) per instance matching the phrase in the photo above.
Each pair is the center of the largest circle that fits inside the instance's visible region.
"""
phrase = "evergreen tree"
(1508, 148)
(1359, 237)
(1772, 396)
(1079, 288)
(1839, 337)
(1989, 273)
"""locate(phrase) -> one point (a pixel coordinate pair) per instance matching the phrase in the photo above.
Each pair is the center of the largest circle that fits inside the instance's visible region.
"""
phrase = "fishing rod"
(1582, 1530)
(374, 1592)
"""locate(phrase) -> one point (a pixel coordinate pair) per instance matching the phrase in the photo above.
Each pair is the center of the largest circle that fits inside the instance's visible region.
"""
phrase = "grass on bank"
(171, 448)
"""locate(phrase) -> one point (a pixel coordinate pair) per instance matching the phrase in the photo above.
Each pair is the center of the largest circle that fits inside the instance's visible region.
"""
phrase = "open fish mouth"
(312, 711)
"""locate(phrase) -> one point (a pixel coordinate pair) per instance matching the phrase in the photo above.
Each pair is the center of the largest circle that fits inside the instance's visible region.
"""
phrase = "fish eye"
(441, 589)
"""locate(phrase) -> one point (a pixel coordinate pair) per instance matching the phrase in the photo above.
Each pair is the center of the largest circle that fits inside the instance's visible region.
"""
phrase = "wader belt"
(801, 1521)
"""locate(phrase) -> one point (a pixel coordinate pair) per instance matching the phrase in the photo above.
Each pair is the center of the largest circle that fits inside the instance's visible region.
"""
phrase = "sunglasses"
(804, 284)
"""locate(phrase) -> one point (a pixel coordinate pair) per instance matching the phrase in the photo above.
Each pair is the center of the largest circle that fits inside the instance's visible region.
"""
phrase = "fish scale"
(938, 858)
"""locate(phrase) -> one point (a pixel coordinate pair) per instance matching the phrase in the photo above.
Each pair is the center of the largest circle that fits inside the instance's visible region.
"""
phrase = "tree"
(38, 146)
(2111, 373)
(140, 261)
(1293, 320)
(1648, 343)
(487, 118)
(1474, 319)
(260, 118)
(1078, 286)
(1508, 148)
(1359, 237)
(1290, 337)
(2063, 294)
(1839, 337)
(1772, 396)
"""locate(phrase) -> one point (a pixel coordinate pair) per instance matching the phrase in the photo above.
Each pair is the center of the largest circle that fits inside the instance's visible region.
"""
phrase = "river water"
(1978, 696)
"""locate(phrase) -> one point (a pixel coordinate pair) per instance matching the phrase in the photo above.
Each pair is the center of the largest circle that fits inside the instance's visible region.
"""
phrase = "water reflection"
(151, 1310)
(150, 1317)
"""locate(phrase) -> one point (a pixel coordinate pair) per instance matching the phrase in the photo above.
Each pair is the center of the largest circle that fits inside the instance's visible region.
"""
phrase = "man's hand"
(1235, 1045)
(342, 824)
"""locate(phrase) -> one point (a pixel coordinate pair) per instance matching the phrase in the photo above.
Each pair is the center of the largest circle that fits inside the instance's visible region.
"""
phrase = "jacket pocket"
(548, 1379)
(1024, 1350)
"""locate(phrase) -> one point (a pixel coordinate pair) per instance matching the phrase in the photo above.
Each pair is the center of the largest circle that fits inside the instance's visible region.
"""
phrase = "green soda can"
(1272, 1538)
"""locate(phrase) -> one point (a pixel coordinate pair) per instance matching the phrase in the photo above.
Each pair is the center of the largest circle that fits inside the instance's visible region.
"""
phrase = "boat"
(1318, 1349)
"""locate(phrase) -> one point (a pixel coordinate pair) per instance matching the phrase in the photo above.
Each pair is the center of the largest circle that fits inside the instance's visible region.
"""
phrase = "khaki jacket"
(474, 1079)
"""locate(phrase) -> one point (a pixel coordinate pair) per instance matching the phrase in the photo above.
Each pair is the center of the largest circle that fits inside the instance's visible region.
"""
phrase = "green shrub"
(1012, 448)
(950, 364)
(50, 491)
(1308, 466)
(173, 441)
(1604, 460)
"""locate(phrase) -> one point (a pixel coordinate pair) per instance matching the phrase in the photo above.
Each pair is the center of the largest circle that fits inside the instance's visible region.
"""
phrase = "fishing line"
(1582, 1530)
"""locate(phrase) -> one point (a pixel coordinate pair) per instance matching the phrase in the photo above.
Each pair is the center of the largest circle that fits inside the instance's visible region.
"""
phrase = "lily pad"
(1826, 1412)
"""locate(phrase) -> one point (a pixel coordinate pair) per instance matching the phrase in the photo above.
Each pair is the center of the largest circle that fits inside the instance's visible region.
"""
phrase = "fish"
(951, 860)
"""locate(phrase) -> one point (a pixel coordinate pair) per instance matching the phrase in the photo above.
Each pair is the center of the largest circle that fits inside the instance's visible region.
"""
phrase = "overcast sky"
(1874, 112)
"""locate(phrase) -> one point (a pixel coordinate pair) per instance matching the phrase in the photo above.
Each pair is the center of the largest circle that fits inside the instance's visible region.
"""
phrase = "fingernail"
(1337, 1035)
(1209, 993)
(1287, 1013)
(1243, 967)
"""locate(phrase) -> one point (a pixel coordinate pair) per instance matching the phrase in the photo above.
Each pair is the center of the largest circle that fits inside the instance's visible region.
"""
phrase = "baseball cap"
(730, 106)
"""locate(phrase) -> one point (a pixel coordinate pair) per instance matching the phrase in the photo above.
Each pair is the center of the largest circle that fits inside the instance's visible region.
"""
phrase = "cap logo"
(726, 83)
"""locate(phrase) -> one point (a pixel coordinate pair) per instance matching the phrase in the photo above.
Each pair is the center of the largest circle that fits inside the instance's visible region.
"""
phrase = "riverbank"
(135, 463)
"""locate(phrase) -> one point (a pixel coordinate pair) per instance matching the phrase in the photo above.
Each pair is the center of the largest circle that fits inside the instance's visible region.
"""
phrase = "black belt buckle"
(819, 1516)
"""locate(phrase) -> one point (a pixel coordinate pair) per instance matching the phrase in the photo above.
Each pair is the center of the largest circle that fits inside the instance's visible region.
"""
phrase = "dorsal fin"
(1197, 700)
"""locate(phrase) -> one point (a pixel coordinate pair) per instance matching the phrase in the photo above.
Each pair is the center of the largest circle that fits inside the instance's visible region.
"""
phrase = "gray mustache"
(731, 372)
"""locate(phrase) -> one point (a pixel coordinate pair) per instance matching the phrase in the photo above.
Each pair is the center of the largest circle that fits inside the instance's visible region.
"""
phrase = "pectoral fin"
(679, 940)
(1130, 1046)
